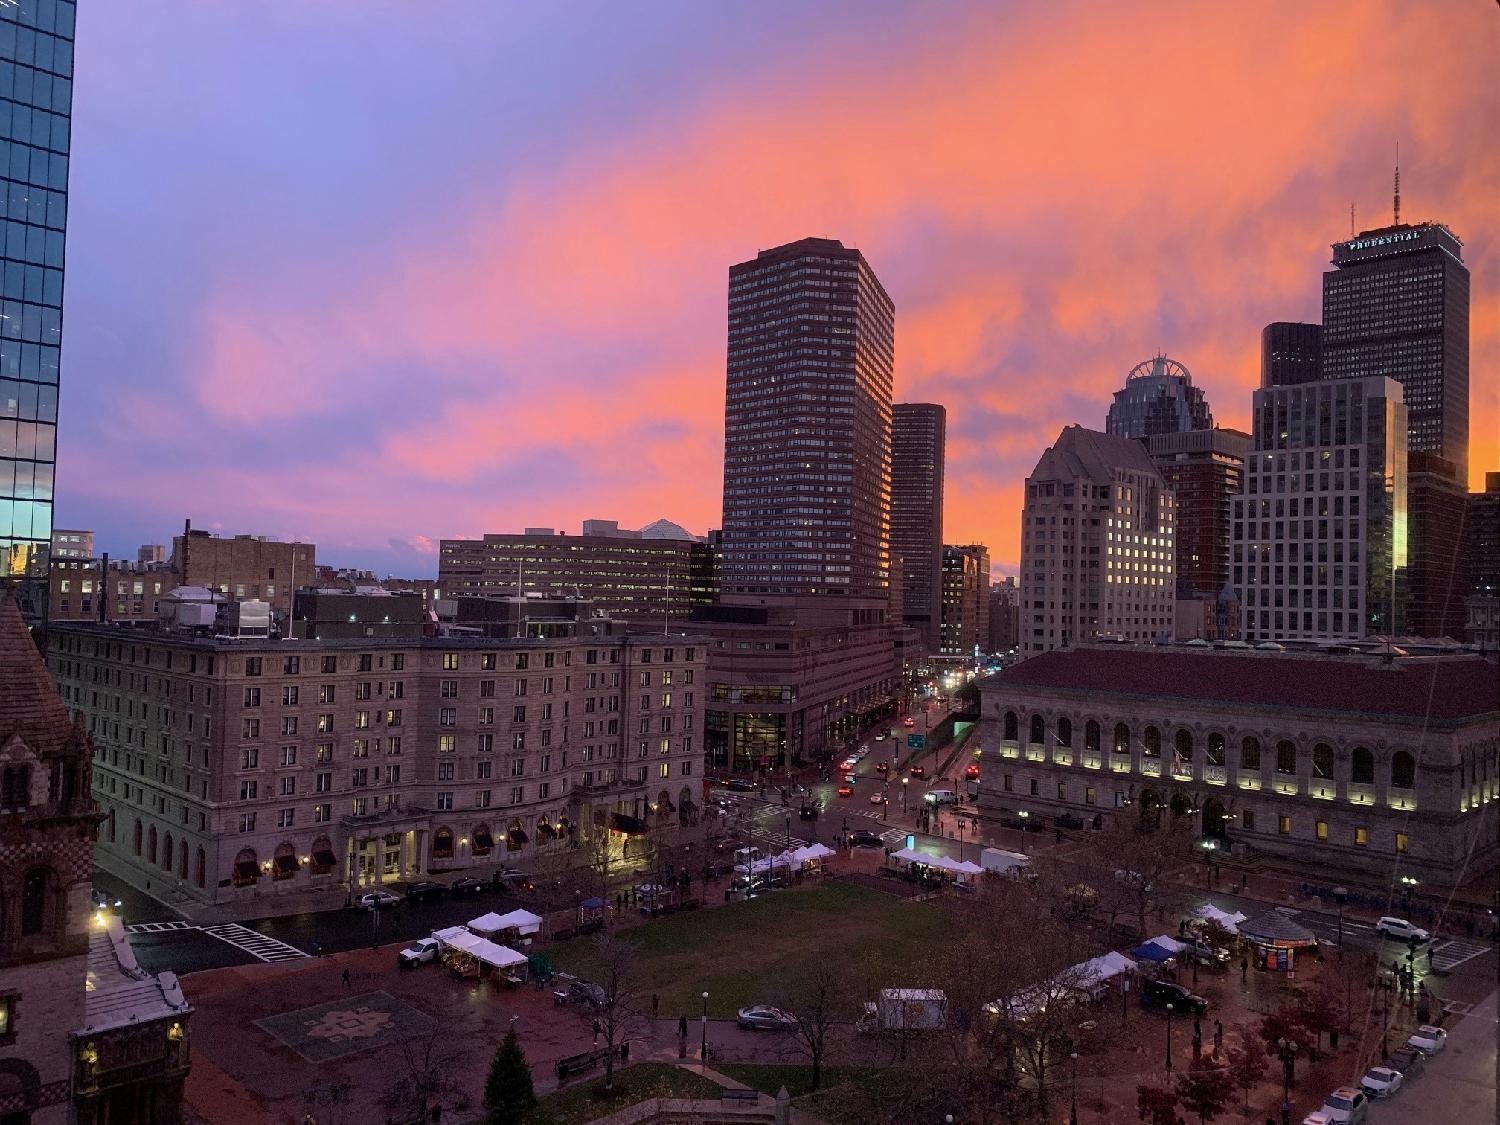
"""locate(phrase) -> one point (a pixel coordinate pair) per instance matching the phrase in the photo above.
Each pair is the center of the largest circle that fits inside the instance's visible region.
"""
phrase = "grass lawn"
(633, 1084)
(739, 952)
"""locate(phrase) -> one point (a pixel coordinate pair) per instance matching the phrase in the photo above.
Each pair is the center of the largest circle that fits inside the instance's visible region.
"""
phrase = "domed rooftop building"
(1158, 398)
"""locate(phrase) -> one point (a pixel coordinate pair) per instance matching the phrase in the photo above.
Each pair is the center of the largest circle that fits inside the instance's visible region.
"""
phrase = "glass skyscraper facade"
(1158, 398)
(36, 97)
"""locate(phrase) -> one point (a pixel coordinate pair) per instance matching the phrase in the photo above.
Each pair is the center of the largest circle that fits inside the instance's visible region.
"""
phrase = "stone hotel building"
(1356, 763)
(238, 767)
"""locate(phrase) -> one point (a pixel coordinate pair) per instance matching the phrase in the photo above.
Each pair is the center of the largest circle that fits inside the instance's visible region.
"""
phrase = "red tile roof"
(29, 704)
(1447, 688)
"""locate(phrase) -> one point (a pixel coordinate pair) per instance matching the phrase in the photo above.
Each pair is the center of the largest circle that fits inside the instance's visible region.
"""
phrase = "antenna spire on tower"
(1398, 183)
(1351, 219)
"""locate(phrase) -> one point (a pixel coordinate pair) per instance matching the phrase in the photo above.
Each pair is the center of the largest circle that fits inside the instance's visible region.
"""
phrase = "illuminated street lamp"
(904, 782)
(1025, 815)
(703, 1051)
(1169, 1038)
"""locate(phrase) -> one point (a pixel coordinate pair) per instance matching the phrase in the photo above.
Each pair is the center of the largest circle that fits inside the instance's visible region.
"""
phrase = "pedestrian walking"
(597, 1029)
(344, 976)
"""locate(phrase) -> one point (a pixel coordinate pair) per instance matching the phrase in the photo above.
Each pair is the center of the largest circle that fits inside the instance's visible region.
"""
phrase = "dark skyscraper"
(1396, 304)
(36, 81)
(807, 425)
(1205, 469)
(1290, 354)
(918, 439)
(1158, 398)
(1437, 548)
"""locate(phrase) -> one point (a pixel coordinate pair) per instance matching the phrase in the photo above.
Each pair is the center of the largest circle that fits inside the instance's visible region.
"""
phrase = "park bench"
(739, 1094)
(577, 1064)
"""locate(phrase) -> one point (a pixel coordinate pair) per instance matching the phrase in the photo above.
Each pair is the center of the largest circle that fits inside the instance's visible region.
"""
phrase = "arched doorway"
(1215, 820)
(1150, 805)
(246, 868)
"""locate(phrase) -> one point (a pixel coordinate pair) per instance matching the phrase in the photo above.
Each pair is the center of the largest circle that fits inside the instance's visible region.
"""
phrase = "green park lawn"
(740, 952)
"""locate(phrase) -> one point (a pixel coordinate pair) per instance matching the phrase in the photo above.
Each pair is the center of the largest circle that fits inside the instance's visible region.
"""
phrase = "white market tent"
(813, 851)
(1212, 913)
(523, 922)
(940, 862)
(481, 949)
(1100, 969)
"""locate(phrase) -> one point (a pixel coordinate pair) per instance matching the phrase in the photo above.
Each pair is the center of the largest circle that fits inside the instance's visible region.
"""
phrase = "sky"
(375, 273)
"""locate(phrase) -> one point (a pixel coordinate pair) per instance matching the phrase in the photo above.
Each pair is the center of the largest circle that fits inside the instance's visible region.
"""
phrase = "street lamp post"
(1340, 896)
(788, 833)
(1288, 1052)
(959, 822)
(1025, 815)
(1073, 1108)
(904, 782)
(703, 1049)
(1169, 1038)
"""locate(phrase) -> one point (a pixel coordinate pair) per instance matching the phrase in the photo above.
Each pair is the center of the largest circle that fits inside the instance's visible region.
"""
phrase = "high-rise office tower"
(1290, 353)
(1437, 550)
(1320, 530)
(1205, 469)
(807, 425)
(966, 601)
(1097, 544)
(1158, 398)
(1396, 304)
(918, 437)
(36, 81)
(1482, 529)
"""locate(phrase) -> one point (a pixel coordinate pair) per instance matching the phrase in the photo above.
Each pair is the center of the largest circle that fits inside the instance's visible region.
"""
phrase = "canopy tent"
(453, 935)
(813, 851)
(1228, 921)
(938, 862)
(481, 949)
(486, 924)
(1161, 948)
(1101, 969)
(522, 921)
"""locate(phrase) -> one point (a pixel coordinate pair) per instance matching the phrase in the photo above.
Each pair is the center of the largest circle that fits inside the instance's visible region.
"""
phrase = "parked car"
(1428, 1039)
(1409, 1061)
(864, 838)
(417, 953)
(1210, 956)
(377, 900)
(1160, 993)
(762, 1017)
(1317, 1117)
(1381, 1082)
(1346, 1106)
(880, 737)
(1401, 929)
(939, 797)
(584, 993)
(468, 885)
(424, 889)
(740, 785)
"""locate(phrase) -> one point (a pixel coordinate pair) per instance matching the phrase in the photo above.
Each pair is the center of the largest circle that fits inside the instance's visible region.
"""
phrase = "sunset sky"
(379, 273)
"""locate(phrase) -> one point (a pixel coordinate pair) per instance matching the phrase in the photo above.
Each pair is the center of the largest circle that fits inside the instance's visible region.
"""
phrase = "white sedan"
(1401, 929)
(377, 900)
(877, 798)
(765, 1018)
(1381, 1081)
(1428, 1039)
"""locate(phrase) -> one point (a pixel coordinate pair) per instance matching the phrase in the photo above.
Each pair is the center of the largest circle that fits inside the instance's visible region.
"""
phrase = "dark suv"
(426, 889)
(1160, 993)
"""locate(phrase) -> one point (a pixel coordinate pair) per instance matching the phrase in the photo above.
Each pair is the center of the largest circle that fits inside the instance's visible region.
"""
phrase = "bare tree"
(428, 1077)
(620, 1011)
(325, 1102)
(1133, 861)
(821, 997)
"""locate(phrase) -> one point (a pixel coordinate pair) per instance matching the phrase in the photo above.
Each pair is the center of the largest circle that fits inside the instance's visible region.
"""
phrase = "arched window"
(1403, 770)
(442, 844)
(1122, 738)
(1012, 727)
(151, 848)
(246, 868)
(1323, 760)
(202, 879)
(1183, 744)
(1215, 748)
(15, 788)
(1065, 732)
(1286, 757)
(1151, 743)
(1091, 736)
(1250, 754)
(35, 894)
(137, 835)
(182, 857)
(482, 840)
(167, 853)
(1038, 731)
(111, 826)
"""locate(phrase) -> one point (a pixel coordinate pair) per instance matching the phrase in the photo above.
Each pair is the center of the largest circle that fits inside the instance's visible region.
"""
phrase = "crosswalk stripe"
(253, 942)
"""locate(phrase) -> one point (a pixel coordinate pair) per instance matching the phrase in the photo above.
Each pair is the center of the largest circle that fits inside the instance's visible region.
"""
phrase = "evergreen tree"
(508, 1093)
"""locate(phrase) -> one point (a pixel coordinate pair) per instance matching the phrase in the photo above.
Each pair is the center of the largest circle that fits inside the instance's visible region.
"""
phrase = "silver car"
(762, 1017)
(1381, 1081)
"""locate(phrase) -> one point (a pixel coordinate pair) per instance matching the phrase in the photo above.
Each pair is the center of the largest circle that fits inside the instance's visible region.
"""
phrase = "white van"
(941, 797)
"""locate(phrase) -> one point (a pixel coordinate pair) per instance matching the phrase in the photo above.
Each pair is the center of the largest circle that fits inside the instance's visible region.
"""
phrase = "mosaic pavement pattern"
(347, 1025)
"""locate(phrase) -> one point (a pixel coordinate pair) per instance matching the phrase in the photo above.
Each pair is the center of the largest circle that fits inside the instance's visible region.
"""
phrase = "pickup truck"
(417, 953)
